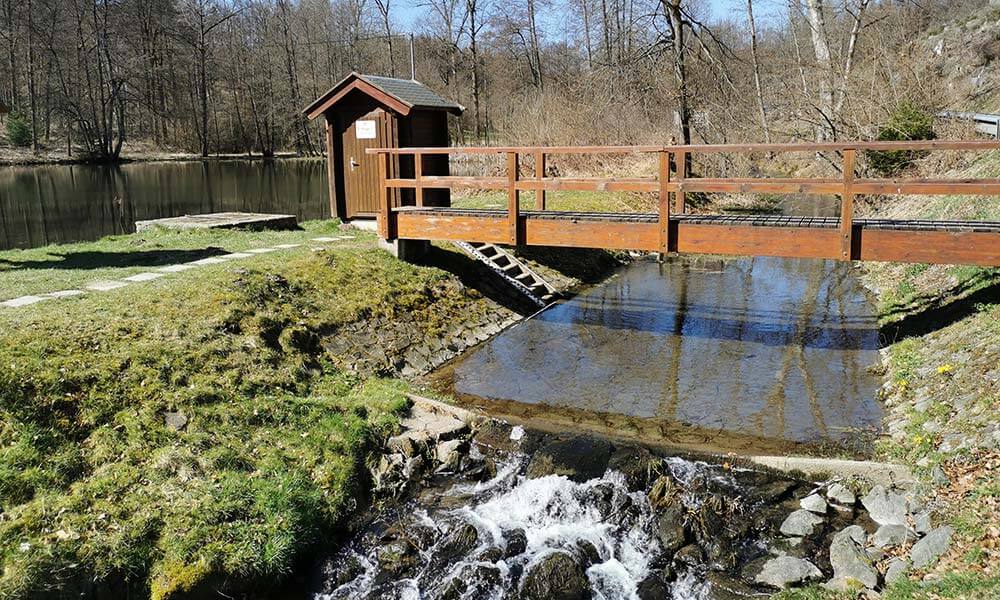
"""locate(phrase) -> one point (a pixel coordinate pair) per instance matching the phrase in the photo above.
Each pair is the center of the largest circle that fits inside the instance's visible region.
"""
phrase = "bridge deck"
(904, 240)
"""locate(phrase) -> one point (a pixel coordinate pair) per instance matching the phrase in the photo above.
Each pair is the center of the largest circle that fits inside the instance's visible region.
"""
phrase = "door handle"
(354, 164)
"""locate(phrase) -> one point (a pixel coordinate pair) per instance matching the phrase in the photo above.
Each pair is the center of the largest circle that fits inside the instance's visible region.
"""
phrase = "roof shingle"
(412, 92)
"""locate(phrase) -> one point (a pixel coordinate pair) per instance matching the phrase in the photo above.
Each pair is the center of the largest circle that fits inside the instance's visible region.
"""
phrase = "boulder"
(448, 453)
(891, 535)
(931, 546)
(637, 464)
(800, 523)
(670, 529)
(408, 443)
(885, 507)
(398, 558)
(896, 570)
(852, 567)
(840, 494)
(653, 587)
(580, 458)
(725, 587)
(785, 570)
(517, 543)
(814, 503)
(690, 555)
(459, 541)
(413, 468)
(922, 522)
(556, 577)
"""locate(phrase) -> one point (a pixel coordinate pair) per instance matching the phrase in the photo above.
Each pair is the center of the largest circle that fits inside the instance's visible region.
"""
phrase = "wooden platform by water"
(223, 220)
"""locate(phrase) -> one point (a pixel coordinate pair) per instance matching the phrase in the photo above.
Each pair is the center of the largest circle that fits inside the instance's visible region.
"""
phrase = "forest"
(231, 76)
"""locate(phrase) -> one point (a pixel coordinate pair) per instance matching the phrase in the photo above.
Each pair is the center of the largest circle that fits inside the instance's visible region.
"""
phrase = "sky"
(408, 12)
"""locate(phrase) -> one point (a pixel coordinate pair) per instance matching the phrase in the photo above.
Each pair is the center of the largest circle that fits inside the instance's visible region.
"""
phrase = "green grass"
(964, 586)
(70, 266)
(94, 487)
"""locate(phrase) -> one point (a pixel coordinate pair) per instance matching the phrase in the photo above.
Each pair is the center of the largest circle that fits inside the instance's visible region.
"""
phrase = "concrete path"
(164, 271)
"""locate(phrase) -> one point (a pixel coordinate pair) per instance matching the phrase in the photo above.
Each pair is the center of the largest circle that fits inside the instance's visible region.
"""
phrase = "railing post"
(513, 199)
(680, 159)
(418, 174)
(664, 210)
(539, 176)
(847, 207)
(385, 230)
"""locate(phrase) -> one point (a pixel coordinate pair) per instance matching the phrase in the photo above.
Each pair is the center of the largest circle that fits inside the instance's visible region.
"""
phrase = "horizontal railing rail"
(675, 181)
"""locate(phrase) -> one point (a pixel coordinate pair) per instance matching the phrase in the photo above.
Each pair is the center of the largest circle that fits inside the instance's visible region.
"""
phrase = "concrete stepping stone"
(176, 268)
(65, 293)
(261, 250)
(236, 255)
(22, 301)
(326, 239)
(104, 286)
(143, 277)
(287, 246)
(211, 260)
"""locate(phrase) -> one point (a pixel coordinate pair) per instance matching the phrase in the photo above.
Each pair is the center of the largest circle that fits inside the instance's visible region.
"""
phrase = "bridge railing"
(675, 182)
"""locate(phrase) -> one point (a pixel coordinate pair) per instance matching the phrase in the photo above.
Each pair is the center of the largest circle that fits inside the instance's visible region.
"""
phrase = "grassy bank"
(188, 433)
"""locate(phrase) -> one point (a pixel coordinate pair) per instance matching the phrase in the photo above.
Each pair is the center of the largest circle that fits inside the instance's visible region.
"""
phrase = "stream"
(699, 354)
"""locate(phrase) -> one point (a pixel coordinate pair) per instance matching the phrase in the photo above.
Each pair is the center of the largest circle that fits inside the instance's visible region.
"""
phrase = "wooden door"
(377, 129)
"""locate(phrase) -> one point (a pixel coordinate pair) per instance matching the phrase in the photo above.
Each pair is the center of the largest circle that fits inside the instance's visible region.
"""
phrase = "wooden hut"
(367, 111)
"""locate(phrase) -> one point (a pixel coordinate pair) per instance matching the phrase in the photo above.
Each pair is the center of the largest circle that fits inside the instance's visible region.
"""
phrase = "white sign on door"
(364, 130)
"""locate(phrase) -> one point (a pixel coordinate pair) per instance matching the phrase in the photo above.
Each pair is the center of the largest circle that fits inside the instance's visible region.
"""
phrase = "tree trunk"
(756, 73)
(821, 47)
(682, 112)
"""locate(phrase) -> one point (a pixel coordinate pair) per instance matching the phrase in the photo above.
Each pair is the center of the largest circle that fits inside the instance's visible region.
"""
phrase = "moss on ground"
(97, 491)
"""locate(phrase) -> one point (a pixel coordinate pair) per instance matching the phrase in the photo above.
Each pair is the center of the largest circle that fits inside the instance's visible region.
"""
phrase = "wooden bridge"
(672, 228)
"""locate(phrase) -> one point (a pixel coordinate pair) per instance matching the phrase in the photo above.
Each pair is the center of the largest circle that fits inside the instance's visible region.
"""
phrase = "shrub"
(907, 122)
(18, 130)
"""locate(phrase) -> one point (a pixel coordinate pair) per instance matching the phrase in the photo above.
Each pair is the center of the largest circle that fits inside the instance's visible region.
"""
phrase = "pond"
(50, 204)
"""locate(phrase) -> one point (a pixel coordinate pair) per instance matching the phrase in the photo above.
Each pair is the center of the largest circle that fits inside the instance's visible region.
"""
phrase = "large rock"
(460, 541)
(896, 570)
(840, 494)
(637, 464)
(885, 507)
(516, 543)
(785, 570)
(852, 567)
(722, 586)
(800, 523)
(891, 535)
(931, 546)
(814, 503)
(670, 529)
(398, 558)
(580, 458)
(556, 577)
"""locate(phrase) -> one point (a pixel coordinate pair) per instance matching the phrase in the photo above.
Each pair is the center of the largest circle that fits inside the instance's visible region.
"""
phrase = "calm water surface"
(764, 348)
(48, 204)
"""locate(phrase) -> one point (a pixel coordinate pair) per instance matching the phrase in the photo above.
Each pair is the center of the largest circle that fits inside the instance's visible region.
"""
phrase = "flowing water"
(516, 535)
(51, 204)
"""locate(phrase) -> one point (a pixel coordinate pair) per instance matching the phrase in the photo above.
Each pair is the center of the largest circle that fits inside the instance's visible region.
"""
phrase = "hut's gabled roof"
(398, 95)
